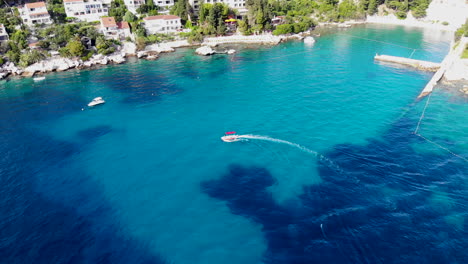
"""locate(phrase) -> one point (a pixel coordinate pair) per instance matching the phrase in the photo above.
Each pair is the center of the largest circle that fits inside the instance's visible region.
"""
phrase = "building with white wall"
(35, 13)
(86, 10)
(133, 5)
(162, 24)
(166, 4)
(114, 30)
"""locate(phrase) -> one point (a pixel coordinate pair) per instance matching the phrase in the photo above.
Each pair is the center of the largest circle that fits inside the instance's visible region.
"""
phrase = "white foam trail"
(330, 163)
(323, 232)
(280, 141)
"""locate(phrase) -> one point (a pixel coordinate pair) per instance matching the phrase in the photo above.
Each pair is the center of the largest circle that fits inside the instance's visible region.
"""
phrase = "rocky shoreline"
(151, 52)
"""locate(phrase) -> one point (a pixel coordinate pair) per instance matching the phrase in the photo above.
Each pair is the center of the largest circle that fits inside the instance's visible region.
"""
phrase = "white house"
(35, 13)
(133, 5)
(3, 33)
(236, 4)
(166, 4)
(86, 10)
(115, 30)
(162, 24)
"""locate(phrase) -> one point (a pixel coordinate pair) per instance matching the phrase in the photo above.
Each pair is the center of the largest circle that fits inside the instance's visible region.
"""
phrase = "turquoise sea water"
(337, 178)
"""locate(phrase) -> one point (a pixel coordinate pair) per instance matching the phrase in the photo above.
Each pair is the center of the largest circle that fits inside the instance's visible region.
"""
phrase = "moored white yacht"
(96, 101)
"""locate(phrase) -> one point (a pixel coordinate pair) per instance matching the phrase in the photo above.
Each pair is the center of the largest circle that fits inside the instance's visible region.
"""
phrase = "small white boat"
(96, 101)
(231, 137)
(37, 79)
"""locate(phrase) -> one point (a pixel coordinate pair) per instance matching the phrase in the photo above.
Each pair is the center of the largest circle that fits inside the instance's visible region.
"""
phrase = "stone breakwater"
(418, 64)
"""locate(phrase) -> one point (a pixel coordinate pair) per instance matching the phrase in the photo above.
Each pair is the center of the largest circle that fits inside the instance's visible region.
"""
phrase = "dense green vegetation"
(183, 9)
(9, 17)
(211, 18)
(149, 8)
(117, 9)
(57, 10)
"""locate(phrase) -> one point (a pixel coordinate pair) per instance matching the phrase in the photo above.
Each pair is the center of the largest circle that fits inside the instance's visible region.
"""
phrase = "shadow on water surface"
(73, 225)
(389, 205)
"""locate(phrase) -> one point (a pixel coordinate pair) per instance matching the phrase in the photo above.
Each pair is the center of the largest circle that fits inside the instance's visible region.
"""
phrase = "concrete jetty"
(446, 64)
(419, 64)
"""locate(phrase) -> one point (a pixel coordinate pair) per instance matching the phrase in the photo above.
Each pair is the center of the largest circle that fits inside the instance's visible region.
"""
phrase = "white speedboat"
(96, 101)
(231, 137)
(36, 79)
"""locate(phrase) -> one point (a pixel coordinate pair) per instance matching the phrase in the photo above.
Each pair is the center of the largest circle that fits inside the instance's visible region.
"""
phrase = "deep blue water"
(333, 173)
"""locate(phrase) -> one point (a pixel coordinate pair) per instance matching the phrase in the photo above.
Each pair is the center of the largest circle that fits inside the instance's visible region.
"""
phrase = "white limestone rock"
(231, 51)
(309, 40)
(117, 58)
(205, 51)
(129, 49)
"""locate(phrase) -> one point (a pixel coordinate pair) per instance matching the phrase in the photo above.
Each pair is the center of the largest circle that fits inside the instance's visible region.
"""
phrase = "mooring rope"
(442, 147)
(385, 42)
(422, 115)
(428, 140)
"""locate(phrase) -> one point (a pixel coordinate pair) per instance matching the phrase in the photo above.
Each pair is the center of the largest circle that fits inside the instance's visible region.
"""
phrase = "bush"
(89, 54)
(105, 46)
(13, 55)
(445, 23)
(401, 14)
(465, 53)
(196, 37)
(462, 31)
(30, 57)
(140, 43)
(283, 29)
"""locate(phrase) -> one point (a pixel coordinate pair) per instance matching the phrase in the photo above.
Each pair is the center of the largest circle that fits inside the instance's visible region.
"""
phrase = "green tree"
(183, 9)
(75, 48)
(418, 7)
(258, 14)
(149, 8)
(13, 55)
(221, 29)
(372, 7)
(56, 10)
(347, 9)
(117, 10)
(130, 17)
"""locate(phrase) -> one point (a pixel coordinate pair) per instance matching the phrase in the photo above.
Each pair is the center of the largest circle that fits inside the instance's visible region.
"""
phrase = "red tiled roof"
(123, 25)
(165, 17)
(35, 5)
(108, 22)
